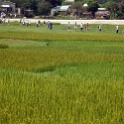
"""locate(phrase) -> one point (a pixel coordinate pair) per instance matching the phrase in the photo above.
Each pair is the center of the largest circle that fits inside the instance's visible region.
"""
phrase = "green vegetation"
(43, 7)
(61, 77)
(3, 46)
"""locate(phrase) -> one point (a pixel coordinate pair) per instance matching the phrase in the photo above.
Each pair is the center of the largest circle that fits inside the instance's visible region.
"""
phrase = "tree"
(102, 1)
(93, 6)
(44, 8)
(120, 12)
(20, 3)
(27, 4)
(113, 8)
(34, 5)
(52, 2)
(76, 9)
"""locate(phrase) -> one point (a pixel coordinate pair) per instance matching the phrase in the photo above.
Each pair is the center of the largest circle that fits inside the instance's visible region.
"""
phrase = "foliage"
(120, 12)
(52, 2)
(76, 9)
(29, 14)
(3, 46)
(67, 3)
(102, 1)
(112, 7)
(34, 5)
(44, 8)
(54, 12)
(93, 6)
(20, 3)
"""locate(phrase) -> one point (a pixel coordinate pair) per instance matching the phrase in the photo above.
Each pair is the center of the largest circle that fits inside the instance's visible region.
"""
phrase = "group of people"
(117, 29)
(82, 26)
(75, 26)
(38, 23)
(25, 22)
(4, 20)
(87, 27)
(48, 24)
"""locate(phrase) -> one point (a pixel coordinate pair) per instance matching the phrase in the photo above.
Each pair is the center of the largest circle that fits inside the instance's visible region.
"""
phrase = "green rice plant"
(41, 61)
(3, 46)
(32, 99)
(77, 78)
(59, 37)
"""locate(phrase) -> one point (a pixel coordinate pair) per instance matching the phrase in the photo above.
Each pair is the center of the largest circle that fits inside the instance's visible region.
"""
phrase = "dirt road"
(114, 22)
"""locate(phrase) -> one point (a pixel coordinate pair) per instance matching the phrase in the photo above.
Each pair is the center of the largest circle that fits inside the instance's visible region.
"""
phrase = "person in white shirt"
(117, 28)
(81, 26)
(100, 28)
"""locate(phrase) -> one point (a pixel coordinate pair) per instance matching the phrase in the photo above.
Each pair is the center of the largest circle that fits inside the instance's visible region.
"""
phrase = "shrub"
(54, 12)
(3, 46)
(29, 14)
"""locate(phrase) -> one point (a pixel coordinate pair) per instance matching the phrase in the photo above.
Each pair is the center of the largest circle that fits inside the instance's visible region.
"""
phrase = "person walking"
(81, 26)
(8, 21)
(100, 28)
(44, 23)
(27, 23)
(68, 25)
(50, 26)
(117, 28)
(15, 15)
(87, 26)
(37, 23)
(75, 26)
(122, 32)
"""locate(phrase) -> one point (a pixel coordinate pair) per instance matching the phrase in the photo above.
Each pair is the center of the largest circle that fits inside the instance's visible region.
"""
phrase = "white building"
(69, 0)
(64, 8)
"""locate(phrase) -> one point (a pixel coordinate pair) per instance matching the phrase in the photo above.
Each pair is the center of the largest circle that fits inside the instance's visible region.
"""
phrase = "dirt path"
(114, 22)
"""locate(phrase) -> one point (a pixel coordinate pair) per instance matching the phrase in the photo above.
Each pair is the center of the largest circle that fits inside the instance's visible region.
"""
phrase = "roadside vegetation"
(61, 77)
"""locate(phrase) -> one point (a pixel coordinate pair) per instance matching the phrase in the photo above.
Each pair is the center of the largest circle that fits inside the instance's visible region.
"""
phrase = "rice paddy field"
(61, 77)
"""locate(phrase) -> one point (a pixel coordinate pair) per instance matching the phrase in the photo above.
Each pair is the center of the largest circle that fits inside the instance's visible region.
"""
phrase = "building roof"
(69, 0)
(64, 8)
(5, 6)
(28, 10)
(102, 13)
(57, 8)
(7, 2)
(102, 9)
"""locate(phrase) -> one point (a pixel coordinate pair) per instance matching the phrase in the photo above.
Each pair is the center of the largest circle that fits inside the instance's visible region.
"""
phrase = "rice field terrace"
(61, 77)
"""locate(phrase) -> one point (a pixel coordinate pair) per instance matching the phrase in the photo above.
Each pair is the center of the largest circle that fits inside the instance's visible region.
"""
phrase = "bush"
(29, 14)
(3, 46)
(54, 12)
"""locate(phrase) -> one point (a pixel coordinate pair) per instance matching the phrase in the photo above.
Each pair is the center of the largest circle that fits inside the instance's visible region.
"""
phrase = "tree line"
(38, 6)
(43, 7)
(116, 7)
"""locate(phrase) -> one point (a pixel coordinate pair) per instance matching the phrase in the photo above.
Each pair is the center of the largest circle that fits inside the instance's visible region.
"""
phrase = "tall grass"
(59, 37)
(32, 99)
